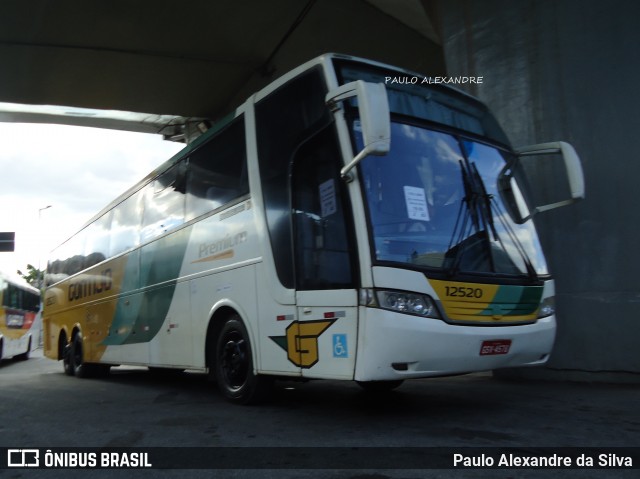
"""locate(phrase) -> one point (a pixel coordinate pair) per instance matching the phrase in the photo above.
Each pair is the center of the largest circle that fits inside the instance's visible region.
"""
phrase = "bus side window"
(163, 204)
(96, 248)
(11, 297)
(69, 257)
(217, 171)
(125, 225)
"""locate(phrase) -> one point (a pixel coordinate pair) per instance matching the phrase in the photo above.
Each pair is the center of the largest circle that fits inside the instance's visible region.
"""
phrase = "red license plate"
(496, 346)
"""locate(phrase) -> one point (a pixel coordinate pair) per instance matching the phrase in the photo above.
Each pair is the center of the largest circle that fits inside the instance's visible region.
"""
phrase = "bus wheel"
(77, 362)
(377, 387)
(234, 365)
(67, 364)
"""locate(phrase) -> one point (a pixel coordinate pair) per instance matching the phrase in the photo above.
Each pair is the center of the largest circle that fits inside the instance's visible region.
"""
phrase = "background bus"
(19, 325)
(336, 225)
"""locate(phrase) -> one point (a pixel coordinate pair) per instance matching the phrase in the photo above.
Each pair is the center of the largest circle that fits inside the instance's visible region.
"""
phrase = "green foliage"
(33, 276)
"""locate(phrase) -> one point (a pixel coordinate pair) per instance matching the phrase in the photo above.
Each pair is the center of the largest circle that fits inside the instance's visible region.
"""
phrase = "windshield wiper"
(484, 202)
(488, 204)
(475, 235)
(468, 223)
(533, 275)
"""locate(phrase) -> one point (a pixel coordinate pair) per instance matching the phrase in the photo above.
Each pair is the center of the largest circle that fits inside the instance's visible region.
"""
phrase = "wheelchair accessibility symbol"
(340, 346)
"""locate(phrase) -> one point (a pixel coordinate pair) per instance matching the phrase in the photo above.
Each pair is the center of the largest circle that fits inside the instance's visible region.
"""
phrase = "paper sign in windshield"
(328, 202)
(416, 203)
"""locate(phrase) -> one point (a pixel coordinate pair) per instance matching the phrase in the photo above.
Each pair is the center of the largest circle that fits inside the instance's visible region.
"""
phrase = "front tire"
(234, 365)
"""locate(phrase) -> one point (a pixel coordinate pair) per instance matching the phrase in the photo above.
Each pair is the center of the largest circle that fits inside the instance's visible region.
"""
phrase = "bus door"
(325, 333)
(325, 273)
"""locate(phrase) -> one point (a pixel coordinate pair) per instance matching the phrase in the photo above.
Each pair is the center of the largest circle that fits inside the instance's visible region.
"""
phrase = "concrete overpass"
(552, 70)
(197, 58)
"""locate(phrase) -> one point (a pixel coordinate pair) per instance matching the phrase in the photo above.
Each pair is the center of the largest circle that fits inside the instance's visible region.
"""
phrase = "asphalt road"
(41, 407)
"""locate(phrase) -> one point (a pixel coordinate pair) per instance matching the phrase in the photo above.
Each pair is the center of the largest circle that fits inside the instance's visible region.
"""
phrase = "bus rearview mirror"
(539, 165)
(373, 106)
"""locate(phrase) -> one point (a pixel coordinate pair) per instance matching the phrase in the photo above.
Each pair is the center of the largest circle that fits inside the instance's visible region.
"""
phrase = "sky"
(74, 170)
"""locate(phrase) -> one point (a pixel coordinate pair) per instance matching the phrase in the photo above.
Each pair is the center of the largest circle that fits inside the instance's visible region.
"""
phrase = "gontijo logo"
(301, 340)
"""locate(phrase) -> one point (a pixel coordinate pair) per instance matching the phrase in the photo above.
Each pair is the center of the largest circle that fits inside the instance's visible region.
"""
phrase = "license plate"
(496, 346)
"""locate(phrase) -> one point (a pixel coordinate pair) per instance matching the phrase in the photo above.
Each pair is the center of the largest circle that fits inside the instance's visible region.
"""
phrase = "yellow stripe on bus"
(487, 303)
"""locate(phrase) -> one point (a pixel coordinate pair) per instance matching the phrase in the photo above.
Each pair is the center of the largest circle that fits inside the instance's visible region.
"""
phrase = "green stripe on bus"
(515, 300)
(139, 316)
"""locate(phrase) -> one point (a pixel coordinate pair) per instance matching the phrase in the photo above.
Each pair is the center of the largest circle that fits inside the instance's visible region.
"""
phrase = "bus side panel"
(172, 345)
(141, 317)
(275, 328)
(220, 262)
(234, 289)
(88, 302)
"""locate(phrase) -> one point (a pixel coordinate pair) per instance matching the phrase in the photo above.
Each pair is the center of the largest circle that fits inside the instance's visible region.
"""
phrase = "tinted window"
(96, 248)
(125, 224)
(435, 103)
(69, 258)
(18, 298)
(164, 203)
(284, 120)
(322, 242)
(217, 171)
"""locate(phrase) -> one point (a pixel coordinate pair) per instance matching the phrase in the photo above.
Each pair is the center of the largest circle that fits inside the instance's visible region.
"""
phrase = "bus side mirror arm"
(373, 106)
(571, 162)
(574, 172)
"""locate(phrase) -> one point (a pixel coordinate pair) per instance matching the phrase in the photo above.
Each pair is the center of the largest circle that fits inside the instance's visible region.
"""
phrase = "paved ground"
(41, 407)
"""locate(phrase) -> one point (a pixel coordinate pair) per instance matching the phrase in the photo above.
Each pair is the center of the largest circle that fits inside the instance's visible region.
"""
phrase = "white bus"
(338, 224)
(19, 325)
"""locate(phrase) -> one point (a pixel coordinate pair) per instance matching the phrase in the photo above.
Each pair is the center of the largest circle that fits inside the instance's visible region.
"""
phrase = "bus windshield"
(433, 202)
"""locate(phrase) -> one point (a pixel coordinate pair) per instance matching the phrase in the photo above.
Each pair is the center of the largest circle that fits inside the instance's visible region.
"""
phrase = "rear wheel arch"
(63, 341)
(66, 349)
(229, 340)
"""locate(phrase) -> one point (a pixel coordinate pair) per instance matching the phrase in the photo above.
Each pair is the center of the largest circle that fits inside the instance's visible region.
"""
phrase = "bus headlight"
(547, 307)
(401, 302)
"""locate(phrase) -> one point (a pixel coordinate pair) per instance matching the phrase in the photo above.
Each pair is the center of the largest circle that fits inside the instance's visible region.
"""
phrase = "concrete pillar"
(570, 70)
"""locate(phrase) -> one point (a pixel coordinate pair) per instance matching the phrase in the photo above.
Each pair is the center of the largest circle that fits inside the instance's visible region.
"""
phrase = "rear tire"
(234, 365)
(67, 364)
(77, 357)
(80, 368)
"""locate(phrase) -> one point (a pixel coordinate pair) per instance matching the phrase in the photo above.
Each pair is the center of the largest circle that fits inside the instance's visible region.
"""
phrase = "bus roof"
(17, 281)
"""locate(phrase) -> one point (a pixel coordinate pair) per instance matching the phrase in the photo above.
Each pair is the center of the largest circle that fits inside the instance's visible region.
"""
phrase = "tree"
(33, 276)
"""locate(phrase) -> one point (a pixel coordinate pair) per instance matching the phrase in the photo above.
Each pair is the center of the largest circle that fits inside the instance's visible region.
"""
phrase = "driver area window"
(323, 252)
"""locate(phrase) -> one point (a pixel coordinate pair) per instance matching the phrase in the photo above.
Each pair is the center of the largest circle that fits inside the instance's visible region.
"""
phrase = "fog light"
(547, 307)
